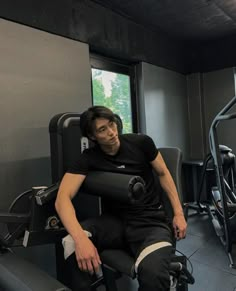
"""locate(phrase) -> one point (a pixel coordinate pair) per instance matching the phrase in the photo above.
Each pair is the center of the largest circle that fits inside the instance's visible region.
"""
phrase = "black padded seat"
(18, 274)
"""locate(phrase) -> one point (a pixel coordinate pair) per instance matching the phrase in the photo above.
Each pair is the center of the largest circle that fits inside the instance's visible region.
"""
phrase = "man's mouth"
(113, 138)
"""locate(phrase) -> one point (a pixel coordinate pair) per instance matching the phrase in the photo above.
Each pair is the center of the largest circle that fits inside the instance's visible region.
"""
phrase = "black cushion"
(17, 274)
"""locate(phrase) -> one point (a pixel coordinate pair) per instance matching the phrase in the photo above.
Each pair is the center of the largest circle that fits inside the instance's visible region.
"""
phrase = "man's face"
(105, 132)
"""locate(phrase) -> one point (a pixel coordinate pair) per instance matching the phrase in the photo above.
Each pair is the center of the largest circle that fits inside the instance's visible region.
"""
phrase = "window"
(112, 87)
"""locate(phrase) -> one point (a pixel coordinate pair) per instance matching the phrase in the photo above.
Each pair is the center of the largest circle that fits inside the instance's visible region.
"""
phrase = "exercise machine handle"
(179, 267)
(45, 194)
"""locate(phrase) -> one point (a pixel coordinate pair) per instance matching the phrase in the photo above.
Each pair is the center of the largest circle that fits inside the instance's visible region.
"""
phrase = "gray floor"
(207, 255)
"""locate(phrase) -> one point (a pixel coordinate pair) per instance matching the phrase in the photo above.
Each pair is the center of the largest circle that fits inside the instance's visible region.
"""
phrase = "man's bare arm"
(169, 187)
(86, 253)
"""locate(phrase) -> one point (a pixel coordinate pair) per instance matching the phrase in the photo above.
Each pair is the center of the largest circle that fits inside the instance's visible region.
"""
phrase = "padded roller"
(120, 187)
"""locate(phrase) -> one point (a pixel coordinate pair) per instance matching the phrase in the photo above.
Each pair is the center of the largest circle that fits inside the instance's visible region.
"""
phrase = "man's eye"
(101, 129)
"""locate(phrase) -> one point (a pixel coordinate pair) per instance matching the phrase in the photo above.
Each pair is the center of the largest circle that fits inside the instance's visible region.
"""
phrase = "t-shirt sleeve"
(148, 147)
(80, 166)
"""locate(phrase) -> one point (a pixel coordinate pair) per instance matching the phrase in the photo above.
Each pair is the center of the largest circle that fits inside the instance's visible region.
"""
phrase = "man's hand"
(180, 226)
(87, 256)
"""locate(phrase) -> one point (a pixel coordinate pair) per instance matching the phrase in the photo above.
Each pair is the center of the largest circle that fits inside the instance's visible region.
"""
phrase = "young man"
(143, 227)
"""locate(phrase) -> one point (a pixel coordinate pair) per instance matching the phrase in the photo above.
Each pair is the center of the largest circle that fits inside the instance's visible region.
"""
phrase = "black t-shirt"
(133, 157)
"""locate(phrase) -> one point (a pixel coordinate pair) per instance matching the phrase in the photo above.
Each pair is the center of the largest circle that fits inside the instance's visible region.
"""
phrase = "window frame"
(120, 67)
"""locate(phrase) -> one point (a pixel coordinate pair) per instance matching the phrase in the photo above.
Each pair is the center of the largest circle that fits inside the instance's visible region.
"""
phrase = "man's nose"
(110, 131)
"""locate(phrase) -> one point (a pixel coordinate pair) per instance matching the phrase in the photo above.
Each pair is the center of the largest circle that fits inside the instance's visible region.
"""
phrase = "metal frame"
(226, 238)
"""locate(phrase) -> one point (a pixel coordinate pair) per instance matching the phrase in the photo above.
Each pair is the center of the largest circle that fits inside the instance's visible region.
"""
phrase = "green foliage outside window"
(114, 93)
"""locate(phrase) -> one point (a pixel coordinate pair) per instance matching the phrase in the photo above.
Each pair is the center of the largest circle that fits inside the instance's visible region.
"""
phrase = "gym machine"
(221, 201)
(32, 220)
(223, 196)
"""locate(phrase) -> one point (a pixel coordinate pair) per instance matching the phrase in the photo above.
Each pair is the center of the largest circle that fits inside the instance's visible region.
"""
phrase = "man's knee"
(153, 271)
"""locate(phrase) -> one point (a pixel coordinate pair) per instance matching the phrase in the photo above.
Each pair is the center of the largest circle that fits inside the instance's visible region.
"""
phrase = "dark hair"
(88, 117)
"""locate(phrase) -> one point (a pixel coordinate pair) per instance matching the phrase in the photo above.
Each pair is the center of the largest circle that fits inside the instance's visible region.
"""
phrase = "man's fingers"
(183, 234)
(176, 230)
(89, 261)
(98, 258)
(83, 266)
(90, 267)
(96, 265)
(80, 266)
(179, 234)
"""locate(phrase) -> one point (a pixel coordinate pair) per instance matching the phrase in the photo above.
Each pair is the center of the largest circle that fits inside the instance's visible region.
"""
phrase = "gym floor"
(210, 262)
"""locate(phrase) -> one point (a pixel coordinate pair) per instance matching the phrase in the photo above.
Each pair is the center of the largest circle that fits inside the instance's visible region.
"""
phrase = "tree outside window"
(113, 91)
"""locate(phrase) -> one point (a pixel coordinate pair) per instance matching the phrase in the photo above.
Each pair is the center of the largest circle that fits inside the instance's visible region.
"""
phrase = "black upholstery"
(66, 143)
(173, 159)
(125, 188)
(18, 274)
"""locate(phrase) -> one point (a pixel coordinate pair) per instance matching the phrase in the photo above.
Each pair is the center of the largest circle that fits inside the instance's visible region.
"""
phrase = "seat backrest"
(66, 143)
(173, 159)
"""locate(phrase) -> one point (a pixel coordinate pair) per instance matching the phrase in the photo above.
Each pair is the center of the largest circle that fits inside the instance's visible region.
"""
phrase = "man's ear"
(91, 137)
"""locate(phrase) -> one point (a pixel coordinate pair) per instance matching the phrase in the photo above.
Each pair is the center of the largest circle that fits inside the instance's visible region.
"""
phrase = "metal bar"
(13, 217)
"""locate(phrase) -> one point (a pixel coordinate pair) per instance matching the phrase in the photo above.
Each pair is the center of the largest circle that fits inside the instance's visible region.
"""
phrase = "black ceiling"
(202, 33)
(184, 19)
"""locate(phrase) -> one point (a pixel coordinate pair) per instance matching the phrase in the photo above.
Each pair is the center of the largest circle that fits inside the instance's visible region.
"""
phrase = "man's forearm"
(169, 187)
(66, 212)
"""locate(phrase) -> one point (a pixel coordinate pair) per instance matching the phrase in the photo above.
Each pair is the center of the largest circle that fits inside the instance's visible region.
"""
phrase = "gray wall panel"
(196, 116)
(23, 174)
(208, 93)
(41, 75)
(219, 88)
(164, 100)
